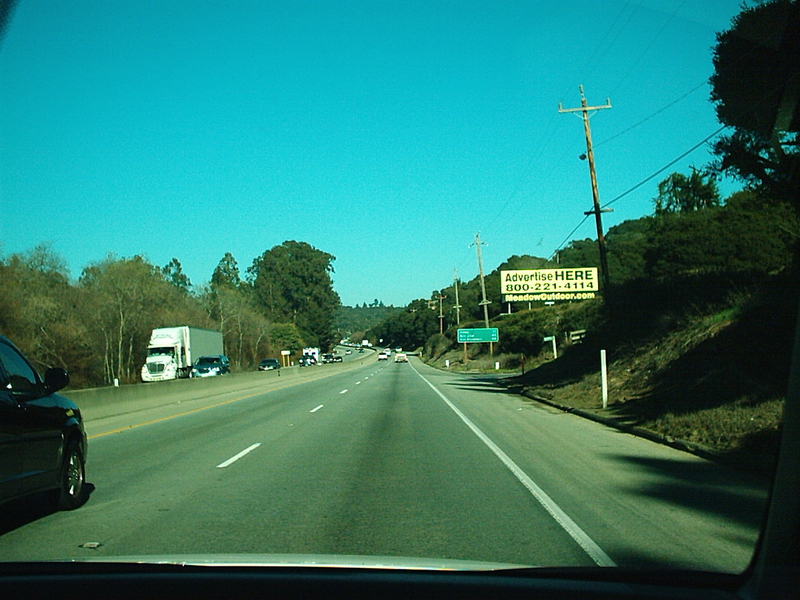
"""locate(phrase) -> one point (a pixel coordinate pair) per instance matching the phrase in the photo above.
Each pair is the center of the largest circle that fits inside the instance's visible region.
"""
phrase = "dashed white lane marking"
(233, 459)
(316, 409)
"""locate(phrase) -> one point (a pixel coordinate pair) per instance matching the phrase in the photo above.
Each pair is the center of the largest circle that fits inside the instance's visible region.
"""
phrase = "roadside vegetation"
(700, 315)
(98, 327)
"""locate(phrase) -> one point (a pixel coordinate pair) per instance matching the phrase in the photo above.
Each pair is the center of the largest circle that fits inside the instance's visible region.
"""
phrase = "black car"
(305, 361)
(268, 364)
(210, 366)
(42, 440)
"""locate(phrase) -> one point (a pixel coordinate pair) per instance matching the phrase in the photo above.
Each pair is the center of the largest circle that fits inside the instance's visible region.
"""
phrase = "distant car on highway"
(268, 364)
(305, 361)
(400, 357)
(211, 366)
(383, 356)
(43, 443)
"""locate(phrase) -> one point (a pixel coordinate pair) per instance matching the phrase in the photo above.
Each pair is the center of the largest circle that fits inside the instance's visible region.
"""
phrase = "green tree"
(173, 273)
(756, 90)
(38, 311)
(245, 330)
(681, 194)
(410, 327)
(125, 299)
(292, 284)
(285, 336)
(226, 273)
(747, 234)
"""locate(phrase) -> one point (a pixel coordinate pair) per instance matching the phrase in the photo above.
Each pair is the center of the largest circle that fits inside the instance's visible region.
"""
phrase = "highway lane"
(382, 461)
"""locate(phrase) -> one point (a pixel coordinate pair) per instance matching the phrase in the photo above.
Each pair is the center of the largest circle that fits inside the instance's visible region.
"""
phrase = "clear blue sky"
(386, 133)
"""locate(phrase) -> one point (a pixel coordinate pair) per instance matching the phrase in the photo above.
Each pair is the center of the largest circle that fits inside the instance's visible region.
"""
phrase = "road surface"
(392, 460)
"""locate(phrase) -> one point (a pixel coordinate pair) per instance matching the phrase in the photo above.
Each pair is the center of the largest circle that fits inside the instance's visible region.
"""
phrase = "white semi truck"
(172, 350)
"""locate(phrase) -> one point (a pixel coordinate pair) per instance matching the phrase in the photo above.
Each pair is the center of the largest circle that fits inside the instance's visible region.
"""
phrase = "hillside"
(703, 359)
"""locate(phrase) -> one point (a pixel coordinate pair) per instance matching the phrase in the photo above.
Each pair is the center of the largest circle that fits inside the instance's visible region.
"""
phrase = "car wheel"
(73, 476)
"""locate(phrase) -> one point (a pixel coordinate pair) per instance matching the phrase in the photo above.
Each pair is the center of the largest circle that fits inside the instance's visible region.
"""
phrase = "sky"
(387, 133)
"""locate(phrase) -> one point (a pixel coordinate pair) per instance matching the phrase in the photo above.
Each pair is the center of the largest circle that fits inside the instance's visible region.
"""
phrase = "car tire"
(72, 478)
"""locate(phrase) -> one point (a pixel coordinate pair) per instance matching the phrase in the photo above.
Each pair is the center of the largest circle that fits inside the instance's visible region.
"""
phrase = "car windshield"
(562, 237)
(208, 360)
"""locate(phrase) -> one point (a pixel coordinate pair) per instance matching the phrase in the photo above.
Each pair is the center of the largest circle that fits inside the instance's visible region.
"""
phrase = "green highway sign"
(482, 334)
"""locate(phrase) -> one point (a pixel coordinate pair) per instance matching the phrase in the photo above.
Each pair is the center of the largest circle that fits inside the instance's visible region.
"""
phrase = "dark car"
(210, 366)
(268, 364)
(42, 440)
(305, 361)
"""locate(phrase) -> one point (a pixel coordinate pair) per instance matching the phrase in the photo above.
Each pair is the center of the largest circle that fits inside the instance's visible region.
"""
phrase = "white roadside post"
(552, 338)
(604, 377)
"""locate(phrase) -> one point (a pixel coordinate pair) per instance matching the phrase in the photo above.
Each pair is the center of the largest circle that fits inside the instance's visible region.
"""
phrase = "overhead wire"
(611, 35)
(640, 184)
(591, 64)
(654, 114)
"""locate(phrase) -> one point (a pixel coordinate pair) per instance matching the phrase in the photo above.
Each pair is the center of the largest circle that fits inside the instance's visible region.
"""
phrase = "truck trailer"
(172, 350)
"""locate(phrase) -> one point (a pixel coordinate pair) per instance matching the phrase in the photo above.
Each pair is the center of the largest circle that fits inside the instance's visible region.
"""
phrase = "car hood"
(308, 560)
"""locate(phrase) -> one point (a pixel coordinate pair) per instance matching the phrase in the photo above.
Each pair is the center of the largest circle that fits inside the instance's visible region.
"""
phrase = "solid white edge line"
(233, 459)
(576, 533)
(313, 410)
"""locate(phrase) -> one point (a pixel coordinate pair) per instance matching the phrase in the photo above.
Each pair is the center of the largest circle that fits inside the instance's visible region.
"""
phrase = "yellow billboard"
(549, 285)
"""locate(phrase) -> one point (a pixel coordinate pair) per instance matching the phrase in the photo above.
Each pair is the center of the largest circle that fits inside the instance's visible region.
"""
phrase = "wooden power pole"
(457, 306)
(596, 211)
(484, 302)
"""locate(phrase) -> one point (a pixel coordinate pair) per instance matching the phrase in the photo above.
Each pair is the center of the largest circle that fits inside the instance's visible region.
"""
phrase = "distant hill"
(359, 320)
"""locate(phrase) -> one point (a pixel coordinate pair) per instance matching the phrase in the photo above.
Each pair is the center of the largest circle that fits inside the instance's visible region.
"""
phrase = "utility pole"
(485, 303)
(441, 314)
(596, 211)
(457, 306)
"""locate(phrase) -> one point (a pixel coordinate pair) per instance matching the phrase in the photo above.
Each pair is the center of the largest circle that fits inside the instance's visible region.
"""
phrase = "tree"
(409, 328)
(292, 284)
(244, 329)
(756, 90)
(125, 299)
(748, 234)
(173, 273)
(285, 336)
(681, 194)
(226, 273)
(38, 312)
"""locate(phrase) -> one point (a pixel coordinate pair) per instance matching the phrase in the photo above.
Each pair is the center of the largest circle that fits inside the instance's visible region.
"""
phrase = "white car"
(400, 357)
(383, 356)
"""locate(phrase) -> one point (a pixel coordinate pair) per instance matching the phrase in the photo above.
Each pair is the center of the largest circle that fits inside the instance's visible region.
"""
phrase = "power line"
(528, 167)
(667, 166)
(647, 118)
(638, 185)
(569, 236)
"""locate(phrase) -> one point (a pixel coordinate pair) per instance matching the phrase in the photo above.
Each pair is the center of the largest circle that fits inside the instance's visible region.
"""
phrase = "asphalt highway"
(392, 460)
